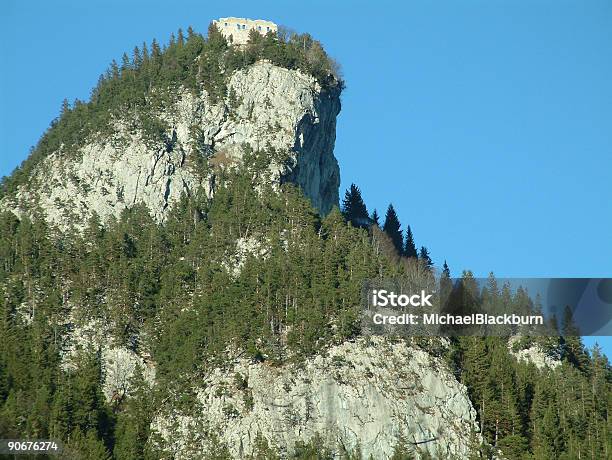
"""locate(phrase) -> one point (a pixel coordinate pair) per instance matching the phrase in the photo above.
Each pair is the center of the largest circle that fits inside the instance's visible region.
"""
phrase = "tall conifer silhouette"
(392, 228)
(374, 218)
(354, 209)
(410, 247)
(425, 257)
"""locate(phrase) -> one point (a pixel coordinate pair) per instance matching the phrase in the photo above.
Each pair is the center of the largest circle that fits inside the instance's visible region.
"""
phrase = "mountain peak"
(152, 132)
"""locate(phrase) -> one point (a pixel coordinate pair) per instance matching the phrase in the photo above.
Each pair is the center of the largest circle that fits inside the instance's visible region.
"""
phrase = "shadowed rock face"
(316, 170)
(270, 108)
(366, 394)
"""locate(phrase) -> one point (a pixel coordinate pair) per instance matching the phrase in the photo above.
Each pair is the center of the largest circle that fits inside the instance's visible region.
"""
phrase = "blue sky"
(487, 123)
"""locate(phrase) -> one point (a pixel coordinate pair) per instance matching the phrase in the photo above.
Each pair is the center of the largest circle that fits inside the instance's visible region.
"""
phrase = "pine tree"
(85, 446)
(547, 437)
(136, 58)
(477, 361)
(216, 40)
(446, 286)
(125, 63)
(425, 258)
(410, 248)
(353, 208)
(155, 50)
(145, 53)
(133, 424)
(65, 107)
(491, 296)
(573, 347)
(374, 218)
(392, 229)
(113, 71)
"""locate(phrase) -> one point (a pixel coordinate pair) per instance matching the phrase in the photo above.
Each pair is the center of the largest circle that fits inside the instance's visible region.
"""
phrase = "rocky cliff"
(369, 395)
(268, 108)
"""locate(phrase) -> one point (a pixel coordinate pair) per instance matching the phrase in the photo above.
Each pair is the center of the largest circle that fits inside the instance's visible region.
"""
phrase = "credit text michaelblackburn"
(483, 319)
(459, 320)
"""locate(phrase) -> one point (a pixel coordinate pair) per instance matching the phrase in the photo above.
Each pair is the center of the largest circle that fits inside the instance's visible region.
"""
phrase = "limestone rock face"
(118, 363)
(267, 108)
(534, 354)
(366, 393)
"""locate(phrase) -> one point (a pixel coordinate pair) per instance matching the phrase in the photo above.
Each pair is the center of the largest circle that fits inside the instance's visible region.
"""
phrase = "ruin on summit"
(236, 30)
